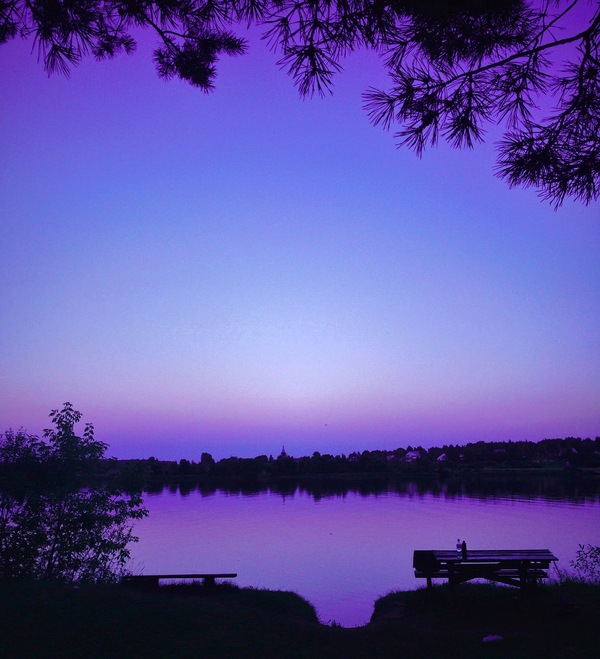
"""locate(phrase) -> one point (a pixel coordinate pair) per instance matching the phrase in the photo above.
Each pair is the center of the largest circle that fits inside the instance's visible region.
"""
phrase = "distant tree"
(57, 521)
(185, 468)
(455, 66)
(227, 467)
(285, 465)
(206, 462)
(373, 461)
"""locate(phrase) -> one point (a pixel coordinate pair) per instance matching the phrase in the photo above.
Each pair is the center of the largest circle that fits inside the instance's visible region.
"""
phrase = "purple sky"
(237, 271)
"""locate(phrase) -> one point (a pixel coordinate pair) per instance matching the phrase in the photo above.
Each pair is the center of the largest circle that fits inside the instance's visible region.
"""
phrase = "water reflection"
(551, 488)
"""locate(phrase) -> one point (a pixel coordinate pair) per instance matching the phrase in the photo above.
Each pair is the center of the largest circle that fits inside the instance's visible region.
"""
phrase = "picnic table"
(515, 567)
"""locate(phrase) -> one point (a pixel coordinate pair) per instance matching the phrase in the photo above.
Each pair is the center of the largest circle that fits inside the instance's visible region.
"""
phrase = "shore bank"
(52, 620)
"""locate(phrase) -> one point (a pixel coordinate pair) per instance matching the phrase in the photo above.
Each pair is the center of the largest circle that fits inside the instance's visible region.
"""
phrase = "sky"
(246, 270)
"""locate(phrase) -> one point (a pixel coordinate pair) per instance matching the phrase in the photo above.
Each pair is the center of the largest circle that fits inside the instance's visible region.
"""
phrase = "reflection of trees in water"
(481, 486)
(554, 488)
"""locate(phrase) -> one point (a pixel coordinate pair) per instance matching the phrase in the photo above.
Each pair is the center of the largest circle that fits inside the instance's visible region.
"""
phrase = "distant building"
(411, 456)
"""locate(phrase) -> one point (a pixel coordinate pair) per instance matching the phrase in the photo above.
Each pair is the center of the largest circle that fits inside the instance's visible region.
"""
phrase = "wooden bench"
(522, 568)
(151, 580)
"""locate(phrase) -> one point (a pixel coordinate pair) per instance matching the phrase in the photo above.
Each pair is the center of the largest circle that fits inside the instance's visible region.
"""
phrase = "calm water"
(343, 551)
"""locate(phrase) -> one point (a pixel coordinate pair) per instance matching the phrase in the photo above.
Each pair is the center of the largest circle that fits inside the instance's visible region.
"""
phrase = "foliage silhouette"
(56, 521)
(587, 564)
(455, 67)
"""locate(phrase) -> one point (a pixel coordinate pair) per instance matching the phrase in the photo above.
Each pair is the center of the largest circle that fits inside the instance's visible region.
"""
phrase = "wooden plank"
(444, 574)
(207, 575)
(490, 555)
(496, 552)
(151, 580)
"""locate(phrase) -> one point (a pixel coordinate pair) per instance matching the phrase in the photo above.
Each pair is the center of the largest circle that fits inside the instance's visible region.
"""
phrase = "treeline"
(570, 453)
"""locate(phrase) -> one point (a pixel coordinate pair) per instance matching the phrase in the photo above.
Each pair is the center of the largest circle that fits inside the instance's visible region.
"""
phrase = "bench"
(151, 580)
(520, 568)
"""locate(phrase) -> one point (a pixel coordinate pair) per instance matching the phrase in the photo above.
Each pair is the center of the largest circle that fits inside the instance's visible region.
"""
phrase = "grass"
(53, 620)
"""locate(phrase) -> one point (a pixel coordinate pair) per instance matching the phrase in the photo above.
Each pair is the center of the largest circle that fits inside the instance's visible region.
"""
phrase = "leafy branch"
(453, 97)
(455, 67)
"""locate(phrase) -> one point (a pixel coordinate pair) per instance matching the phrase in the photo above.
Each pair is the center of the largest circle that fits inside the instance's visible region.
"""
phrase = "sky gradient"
(244, 270)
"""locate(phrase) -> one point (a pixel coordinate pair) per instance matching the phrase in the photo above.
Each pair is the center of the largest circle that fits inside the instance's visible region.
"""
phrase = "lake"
(342, 548)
